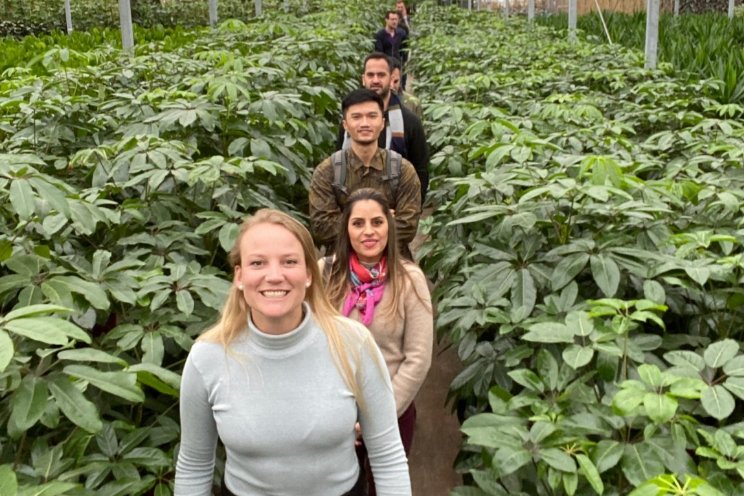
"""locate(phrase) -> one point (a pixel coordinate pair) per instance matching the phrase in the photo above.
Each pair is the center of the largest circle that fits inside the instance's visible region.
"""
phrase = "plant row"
(708, 46)
(588, 256)
(123, 180)
(36, 17)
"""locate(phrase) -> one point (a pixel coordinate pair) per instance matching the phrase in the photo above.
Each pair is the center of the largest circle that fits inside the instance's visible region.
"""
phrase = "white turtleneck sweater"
(286, 416)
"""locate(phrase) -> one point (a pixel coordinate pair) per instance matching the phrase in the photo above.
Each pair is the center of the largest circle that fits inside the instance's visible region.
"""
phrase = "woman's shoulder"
(414, 271)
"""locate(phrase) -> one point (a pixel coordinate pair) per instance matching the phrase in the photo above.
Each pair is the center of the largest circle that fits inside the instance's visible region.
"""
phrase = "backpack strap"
(340, 168)
(393, 164)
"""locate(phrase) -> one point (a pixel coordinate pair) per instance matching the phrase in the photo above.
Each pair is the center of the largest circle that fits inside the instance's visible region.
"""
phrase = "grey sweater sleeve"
(196, 456)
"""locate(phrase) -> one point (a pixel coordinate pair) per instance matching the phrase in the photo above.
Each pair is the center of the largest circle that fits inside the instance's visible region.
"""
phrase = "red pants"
(406, 424)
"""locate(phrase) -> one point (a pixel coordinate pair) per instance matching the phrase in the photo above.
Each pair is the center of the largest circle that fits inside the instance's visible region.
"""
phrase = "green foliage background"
(123, 179)
(586, 245)
(587, 254)
(704, 45)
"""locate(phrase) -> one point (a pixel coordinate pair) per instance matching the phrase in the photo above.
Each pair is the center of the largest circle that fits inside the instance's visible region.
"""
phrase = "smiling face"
(274, 276)
(364, 122)
(368, 231)
(376, 77)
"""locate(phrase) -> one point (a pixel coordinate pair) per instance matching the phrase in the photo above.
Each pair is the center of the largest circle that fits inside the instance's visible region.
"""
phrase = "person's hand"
(358, 430)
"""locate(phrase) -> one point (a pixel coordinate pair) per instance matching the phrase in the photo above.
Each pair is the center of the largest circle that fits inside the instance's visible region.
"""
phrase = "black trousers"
(357, 490)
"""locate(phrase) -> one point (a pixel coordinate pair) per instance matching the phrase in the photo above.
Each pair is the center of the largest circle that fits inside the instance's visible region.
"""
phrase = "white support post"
(470, 4)
(125, 19)
(507, 8)
(572, 17)
(531, 10)
(259, 8)
(731, 9)
(286, 6)
(652, 33)
(212, 13)
(676, 8)
(68, 16)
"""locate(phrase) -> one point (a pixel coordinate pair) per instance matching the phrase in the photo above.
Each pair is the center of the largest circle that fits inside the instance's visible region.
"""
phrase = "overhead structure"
(573, 12)
(212, 13)
(68, 16)
(125, 18)
(652, 33)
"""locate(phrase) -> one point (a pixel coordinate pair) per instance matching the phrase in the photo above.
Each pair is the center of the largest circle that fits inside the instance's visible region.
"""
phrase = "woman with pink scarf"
(369, 281)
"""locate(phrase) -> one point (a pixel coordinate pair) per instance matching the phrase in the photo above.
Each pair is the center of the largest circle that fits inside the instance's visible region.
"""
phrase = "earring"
(240, 286)
(307, 284)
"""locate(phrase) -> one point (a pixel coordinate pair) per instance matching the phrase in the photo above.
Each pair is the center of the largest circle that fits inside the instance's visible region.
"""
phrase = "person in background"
(409, 101)
(404, 132)
(369, 282)
(404, 20)
(363, 164)
(282, 379)
(390, 39)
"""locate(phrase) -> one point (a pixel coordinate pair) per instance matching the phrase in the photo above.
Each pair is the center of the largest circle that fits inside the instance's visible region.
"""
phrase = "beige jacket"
(406, 341)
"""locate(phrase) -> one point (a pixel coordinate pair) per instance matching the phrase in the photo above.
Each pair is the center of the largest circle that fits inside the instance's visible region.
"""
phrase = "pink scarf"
(367, 287)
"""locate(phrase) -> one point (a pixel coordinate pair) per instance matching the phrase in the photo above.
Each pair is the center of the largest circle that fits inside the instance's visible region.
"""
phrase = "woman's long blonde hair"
(339, 275)
(235, 312)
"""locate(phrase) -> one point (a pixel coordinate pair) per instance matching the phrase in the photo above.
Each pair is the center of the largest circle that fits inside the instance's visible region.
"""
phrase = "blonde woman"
(369, 282)
(282, 379)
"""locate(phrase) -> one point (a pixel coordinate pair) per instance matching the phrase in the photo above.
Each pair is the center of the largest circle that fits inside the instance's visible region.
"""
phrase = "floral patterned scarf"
(367, 287)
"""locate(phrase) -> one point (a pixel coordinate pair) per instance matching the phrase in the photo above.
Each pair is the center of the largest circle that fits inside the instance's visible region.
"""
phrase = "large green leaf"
(577, 356)
(587, 468)
(54, 488)
(717, 354)
(122, 384)
(640, 463)
(527, 379)
(89, 355)
(549, 332)
(580, 323)
(735, 366)
(22, 198)
(660, 407)
(717, 401)
(683, 358)
(8, 483)
(33, 310)
(607, 454)
(38, 330)
(736, 386)
(75, 405)
(28, 404)
(606, 274)
(169, 382)
(524, 293)
(6, 350)
(568, 268)
(558, 459)
(627, 400)
(92, 292)
(488, 481)
(508, 460)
